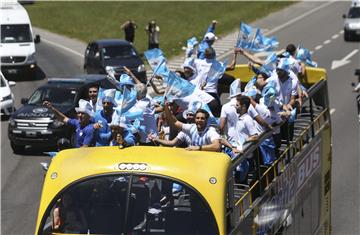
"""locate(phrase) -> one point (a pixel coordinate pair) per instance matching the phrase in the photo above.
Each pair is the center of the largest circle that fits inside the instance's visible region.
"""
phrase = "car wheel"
(347, 36)
(17, 148)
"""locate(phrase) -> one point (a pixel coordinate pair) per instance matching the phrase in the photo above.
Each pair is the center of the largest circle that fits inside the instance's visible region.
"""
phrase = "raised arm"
(128, 72)
(250, 56)
(171, 118)
(59, 115)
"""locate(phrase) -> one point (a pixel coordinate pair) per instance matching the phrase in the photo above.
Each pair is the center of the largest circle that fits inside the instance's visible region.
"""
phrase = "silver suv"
(352, 22)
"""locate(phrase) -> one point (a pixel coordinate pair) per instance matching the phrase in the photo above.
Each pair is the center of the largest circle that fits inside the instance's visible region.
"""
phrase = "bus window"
(129, 204)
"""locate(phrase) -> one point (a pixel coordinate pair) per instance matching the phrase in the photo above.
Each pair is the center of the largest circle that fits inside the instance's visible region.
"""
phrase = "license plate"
(12, 71)
(31, 133)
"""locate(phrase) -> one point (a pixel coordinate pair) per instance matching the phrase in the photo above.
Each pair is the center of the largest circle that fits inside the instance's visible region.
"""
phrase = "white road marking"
(327, 42)
(62, 47)
(318, 47)
(332, 111)
(341, 31)
(338, 63)
(294, 20)
(335, 36)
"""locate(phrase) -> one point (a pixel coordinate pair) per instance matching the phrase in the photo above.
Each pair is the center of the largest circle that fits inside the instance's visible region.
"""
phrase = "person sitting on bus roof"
(103, 119)
(83, 127)
(202, 136)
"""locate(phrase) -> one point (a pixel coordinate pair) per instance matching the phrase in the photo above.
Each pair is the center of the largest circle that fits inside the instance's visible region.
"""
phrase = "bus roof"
(193, 167)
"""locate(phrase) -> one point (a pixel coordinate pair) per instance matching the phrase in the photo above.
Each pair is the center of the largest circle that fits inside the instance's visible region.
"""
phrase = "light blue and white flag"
(216, 71)
(245, 36)
(269, 64)
(190, 47)
(162, 70)
(126, 100)
(154, 57)
(304, 56)
(177, 87)
(262, 43)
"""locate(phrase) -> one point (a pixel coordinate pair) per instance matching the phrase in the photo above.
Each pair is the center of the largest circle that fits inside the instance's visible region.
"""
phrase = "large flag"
(245, 36)
(261, 43)
(154, 57)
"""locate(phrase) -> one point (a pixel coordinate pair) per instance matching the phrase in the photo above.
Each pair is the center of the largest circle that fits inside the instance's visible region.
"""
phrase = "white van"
(17, 48)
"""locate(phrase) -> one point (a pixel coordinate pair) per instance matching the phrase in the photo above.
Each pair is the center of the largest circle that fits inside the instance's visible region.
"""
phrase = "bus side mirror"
(37, 38)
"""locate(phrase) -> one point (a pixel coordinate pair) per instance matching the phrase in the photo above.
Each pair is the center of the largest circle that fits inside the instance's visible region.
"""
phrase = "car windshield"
(56, 95)
(15, 33)
(129, 204)
(118, 52)
(354, 12)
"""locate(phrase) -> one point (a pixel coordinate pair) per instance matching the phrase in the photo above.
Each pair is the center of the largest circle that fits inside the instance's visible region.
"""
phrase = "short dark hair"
(244, 100)
(291, 48)
(204, 112)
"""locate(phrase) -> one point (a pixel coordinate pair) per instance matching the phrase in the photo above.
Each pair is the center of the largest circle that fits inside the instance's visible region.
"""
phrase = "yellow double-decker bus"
(161, 190)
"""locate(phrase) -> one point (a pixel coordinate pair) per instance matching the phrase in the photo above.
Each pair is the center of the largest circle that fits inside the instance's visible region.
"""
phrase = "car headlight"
(56, 123)
(12, 122)
(353, 25)
(8, 97)
(31, 59)
(141, 68)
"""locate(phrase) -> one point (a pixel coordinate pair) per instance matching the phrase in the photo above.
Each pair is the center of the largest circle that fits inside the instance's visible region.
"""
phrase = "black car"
(34, 124)
(113, 54)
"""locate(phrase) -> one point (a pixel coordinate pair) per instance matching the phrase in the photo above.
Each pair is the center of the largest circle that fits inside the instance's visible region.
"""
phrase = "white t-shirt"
(200, 138)
(228, 111)
(203, 67)
(245, 127)
(147, 105)
(269, 114)
(284, 90)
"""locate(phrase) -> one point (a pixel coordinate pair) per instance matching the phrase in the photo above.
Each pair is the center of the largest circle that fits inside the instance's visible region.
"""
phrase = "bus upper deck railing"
(307, 125)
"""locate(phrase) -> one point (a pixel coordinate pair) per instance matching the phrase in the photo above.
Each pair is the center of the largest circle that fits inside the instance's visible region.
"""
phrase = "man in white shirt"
(202, 81)
(203, 137)
(285, 87)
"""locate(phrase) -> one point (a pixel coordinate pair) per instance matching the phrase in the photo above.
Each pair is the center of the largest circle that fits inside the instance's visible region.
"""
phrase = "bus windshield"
(129, 204)
(15, 33)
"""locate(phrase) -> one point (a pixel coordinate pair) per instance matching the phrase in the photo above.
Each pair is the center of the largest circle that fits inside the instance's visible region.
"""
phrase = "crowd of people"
(272, 97)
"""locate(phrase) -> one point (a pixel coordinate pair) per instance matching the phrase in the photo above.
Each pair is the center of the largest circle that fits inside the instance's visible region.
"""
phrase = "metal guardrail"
(265, 179)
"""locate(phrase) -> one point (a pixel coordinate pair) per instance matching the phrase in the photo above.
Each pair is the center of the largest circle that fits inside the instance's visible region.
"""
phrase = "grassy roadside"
(178, 21)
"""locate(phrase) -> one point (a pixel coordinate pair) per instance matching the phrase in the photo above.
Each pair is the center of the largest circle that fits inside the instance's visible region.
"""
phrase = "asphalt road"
(22, 176)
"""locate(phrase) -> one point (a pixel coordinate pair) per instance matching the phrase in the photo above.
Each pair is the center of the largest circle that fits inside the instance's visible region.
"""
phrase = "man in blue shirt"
(102, 120)
(208, 41)
(84, 129)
